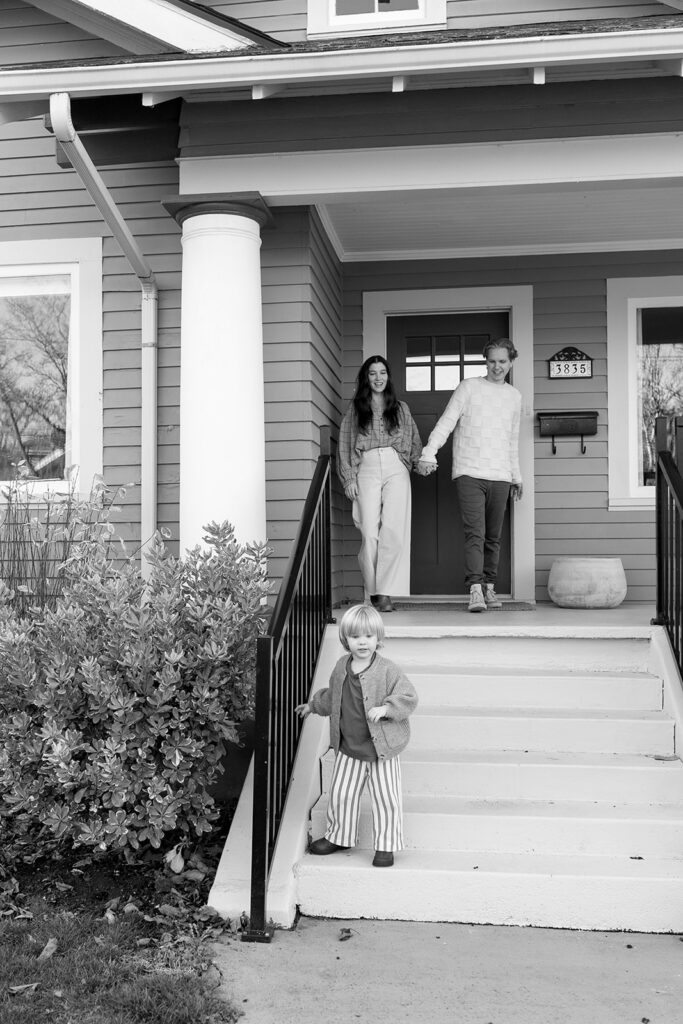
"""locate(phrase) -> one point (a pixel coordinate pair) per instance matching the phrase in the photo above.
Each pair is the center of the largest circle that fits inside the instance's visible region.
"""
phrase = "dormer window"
(359, 17)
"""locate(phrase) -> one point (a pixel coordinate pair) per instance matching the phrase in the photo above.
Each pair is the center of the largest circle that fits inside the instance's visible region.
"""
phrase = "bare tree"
(661, 393)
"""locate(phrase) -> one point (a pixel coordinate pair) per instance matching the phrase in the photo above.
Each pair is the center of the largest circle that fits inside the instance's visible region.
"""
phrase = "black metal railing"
(669, 518)
(286, 660)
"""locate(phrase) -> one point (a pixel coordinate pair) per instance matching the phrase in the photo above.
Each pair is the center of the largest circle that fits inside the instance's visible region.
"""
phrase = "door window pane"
(660, 379)
(446, 378)
(35, 317)
(418, 378)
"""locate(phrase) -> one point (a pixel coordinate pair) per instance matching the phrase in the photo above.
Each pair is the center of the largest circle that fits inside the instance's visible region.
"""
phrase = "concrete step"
(527, 826)
(484, 687)
(599, 893)
(542, 729)
(423, 649)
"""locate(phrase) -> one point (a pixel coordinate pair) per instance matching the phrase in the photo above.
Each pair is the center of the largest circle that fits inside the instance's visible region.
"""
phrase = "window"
(645, 380)
(440, 362)
(355, 17)
(51, 361)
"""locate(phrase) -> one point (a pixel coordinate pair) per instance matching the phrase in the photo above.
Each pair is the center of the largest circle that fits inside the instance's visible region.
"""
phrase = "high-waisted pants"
(383, 778)
(382, 514)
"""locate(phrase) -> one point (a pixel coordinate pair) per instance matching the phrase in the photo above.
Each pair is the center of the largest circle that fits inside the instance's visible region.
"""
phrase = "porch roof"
(651, 45)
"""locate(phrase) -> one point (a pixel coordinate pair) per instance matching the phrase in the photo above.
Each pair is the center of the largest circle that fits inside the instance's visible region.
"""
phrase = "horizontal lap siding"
(571, 513)
(28, 34)
(38, 200)
(440, 117)
(286, 19)
(302, 297)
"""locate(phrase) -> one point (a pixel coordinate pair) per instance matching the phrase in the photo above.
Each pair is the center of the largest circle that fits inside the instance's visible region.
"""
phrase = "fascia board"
(158, 31)
(201, 73)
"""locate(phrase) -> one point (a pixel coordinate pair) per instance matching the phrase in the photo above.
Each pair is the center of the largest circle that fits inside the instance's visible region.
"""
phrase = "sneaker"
(491, 597)
(477, 602)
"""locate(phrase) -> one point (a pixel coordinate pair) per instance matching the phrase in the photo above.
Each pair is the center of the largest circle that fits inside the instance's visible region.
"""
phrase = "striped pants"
(343, 809)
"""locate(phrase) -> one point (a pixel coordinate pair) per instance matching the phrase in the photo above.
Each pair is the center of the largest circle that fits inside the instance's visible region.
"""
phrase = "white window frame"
(625, 297)
(80, 259)
(324, 21)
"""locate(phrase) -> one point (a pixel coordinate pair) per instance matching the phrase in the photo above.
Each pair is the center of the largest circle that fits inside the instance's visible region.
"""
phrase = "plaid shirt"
(352, 442)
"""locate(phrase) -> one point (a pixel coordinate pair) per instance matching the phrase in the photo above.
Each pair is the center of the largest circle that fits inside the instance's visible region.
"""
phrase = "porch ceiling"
(480, 222)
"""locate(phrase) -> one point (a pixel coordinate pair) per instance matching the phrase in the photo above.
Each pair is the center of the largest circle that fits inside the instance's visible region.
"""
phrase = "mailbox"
(567, 424)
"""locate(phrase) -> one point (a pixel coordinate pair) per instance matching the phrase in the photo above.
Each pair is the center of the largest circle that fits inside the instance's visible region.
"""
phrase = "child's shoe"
(321, 847)
(491, 597)
(383, 859)
(477, 601)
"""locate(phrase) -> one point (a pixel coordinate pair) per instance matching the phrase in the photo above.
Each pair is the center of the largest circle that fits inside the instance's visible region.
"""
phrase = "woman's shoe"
(383, 859)
(382, 602)
(321, 847)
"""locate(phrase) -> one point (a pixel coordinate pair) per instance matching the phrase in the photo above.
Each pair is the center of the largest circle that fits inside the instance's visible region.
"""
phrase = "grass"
(141, 957)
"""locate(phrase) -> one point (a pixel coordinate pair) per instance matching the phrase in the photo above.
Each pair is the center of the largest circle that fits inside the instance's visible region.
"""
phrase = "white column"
(222, 434)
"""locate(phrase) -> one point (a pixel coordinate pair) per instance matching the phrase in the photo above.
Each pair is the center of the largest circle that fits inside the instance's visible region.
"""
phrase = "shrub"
(116, 704)
(38, 536)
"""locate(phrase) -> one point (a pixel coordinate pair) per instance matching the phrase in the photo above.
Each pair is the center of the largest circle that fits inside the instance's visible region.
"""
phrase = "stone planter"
(582, 582)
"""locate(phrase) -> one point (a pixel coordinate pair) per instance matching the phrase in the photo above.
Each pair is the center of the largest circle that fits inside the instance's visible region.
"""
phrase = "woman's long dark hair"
(362, 400)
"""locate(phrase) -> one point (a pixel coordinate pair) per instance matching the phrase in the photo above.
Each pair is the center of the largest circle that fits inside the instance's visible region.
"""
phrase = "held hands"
(425, 468)
(516, 492)
(302, 710)
(374, 714)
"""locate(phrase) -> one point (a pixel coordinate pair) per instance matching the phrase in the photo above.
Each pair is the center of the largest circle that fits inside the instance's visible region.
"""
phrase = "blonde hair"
(358, 620)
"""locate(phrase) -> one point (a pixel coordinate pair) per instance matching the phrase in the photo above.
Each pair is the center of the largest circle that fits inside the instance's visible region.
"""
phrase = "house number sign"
(570, 363)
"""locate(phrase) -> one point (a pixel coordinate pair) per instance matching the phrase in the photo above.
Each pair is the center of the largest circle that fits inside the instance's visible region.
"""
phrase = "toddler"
(368, 703)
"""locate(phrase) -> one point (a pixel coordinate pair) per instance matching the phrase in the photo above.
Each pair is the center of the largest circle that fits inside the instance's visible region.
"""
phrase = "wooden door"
(429, 355)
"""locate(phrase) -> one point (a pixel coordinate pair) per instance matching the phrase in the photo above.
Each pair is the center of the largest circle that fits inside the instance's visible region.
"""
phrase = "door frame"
(517, 300)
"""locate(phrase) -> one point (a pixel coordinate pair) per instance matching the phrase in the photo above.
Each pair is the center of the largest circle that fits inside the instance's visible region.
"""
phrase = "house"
(310, 182)
(237, 202)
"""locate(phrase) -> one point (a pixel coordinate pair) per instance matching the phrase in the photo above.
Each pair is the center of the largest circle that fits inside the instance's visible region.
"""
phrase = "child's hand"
(302, 710)
(374, 714)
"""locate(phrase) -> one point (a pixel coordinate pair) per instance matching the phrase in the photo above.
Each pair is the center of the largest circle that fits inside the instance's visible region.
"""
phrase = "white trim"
(200, 74)
(132, 23)
(324, 21)
(313, 177)
(377, 306)
(331, 231)
(625, 296)
(481, 252)
(81, 259)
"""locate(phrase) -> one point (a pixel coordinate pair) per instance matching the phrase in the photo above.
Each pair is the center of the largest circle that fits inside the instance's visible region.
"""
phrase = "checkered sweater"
(485, 418)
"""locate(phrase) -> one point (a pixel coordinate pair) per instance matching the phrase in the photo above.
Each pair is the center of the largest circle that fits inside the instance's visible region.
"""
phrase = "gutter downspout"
(65, 133)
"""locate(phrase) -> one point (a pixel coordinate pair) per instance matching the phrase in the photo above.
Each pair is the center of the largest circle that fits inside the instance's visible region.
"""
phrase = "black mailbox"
(567, 424)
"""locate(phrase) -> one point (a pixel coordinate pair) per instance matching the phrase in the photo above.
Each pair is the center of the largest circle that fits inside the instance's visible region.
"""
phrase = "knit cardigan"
(382, 683)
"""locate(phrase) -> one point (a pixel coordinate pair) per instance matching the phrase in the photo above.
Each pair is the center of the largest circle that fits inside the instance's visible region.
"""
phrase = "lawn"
(88, 940)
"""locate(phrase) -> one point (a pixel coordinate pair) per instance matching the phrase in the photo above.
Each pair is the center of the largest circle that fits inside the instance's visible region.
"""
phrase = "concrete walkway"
(388, 972)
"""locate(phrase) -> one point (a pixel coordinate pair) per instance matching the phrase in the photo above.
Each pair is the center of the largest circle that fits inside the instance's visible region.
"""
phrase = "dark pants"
(482, 507)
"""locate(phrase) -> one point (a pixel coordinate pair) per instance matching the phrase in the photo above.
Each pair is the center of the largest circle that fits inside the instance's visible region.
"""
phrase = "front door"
(429, 355)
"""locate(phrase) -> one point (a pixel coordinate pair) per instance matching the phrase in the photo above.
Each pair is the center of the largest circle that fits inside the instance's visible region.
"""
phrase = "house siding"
(286, 19)
(440, 117)
(26, 31)
(571, 499)
(302, 299)
(38, 200)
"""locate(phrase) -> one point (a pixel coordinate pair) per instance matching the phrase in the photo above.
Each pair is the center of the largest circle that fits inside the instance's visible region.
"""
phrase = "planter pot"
(580, 582)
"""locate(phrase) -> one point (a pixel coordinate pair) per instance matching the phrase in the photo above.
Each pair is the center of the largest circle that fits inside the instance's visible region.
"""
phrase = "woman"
(378, 446)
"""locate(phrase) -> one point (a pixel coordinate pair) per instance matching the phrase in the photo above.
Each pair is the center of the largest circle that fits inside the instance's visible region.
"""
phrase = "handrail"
(669, 521)
(286, 660)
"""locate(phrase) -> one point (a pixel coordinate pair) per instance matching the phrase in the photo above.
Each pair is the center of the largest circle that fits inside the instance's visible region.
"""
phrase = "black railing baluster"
(286, 661)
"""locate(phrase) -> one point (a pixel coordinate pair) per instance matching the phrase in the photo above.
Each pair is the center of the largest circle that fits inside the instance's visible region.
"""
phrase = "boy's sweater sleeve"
(321, 702)
(401, 698)
(514, 446)
(445, 425)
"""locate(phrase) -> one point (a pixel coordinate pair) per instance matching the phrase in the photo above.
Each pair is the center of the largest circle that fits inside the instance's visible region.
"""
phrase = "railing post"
(661, 445)
(257, 930)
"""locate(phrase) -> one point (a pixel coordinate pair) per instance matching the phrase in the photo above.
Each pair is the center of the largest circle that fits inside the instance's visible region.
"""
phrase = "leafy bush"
(116, 704)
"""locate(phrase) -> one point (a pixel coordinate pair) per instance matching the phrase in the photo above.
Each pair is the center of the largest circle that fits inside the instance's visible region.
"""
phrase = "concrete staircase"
(546, 792)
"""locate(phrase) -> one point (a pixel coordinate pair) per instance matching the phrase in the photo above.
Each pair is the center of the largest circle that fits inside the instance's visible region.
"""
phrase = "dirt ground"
(390, 972)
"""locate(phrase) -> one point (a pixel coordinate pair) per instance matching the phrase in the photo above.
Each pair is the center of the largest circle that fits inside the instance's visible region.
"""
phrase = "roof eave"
(188, 74)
